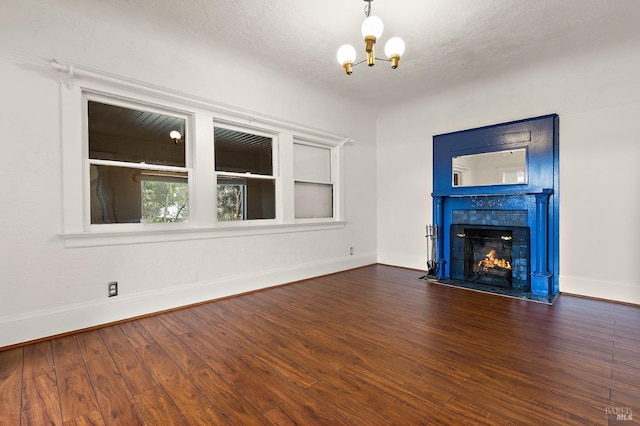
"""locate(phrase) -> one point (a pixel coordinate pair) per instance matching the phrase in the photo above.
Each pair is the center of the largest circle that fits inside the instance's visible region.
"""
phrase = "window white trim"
(73, 74)
(124, 237)
(203, 199)
(274, 176)
(89, 96)
(335, 180)
(201, 115)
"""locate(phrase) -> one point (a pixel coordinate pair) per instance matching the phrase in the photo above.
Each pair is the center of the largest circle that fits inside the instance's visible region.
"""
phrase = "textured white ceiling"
(448, 41)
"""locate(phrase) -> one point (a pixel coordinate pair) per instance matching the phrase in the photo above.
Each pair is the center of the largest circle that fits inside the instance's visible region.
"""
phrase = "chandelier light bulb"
(346, 57)
(394, 49)
(394, 46)
(372, 26)
(346, 53)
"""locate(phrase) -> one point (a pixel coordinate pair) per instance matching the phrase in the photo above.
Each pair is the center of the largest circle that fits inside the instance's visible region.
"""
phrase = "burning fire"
(492, 262)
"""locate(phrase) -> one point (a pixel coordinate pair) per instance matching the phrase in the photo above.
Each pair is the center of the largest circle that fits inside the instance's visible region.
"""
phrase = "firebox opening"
(491, 255)
(488, 256)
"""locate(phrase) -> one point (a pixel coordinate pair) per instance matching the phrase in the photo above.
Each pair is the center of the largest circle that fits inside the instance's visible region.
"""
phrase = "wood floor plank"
(278, 417)
(136, 375)
(311, 345)
(468, 412)
(181, 354)
(288, 367)
(173, 323)
(224, 363)
(11, 362)
(91, 345)
(94, 418)
(137, 334)
(233, 409)
(288, 348)
(66, 352)
(40, 404)
(425, 380)
(556, 399)
(628, 403)
(626, 379)
(158, 409)
(191, 402)
(77, 397)
(38, 359)
(267, 389)
(113, 396)
(351, 407)
(349, 346)
(387, 400)
(370, 346)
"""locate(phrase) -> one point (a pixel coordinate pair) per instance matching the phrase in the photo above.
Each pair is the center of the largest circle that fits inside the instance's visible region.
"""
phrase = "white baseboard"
(402, 260)
(609, 290)
(45, 323)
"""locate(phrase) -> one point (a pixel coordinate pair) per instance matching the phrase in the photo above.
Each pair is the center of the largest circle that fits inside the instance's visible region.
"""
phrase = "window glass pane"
(246, 198)
(135, 136)
(311, 163)
(129, 195)
(231, 200)
(313, 200)
(242, 152)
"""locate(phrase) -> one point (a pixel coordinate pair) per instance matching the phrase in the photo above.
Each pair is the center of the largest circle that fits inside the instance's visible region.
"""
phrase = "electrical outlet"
(351, 250)
(113, 288)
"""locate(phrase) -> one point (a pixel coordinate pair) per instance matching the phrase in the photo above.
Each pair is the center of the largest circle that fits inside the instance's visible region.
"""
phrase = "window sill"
(98, 239)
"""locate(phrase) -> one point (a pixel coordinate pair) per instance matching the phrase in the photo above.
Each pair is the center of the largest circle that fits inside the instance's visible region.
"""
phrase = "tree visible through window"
(164, 201)
(231, 202)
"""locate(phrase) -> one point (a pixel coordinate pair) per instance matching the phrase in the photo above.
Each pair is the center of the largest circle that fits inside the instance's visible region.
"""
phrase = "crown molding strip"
(76, 72)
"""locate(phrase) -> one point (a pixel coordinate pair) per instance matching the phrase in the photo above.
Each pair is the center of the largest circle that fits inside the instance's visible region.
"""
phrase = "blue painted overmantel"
(534, 203)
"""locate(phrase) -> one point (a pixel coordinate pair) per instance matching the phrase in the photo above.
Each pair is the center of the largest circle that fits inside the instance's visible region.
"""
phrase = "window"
(126, 179)
(137, 173)
(313, 176)
(246, 185)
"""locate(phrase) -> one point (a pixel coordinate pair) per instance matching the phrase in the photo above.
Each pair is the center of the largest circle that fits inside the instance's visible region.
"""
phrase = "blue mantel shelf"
(533, 203)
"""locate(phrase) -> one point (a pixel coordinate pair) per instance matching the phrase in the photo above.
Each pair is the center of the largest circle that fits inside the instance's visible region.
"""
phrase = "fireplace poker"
(432, 262)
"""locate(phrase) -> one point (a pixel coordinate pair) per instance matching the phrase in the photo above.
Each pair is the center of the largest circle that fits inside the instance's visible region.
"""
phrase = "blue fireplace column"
(438, 220)
(541, 278)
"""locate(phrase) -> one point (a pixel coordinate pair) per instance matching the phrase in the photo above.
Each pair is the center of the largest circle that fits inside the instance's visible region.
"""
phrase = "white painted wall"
(48, 289)
(597, 97)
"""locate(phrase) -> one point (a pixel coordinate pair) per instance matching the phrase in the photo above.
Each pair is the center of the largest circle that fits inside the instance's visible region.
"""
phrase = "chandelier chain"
(367, 8)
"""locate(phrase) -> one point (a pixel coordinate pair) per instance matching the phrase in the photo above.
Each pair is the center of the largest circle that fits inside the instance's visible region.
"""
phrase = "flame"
(492, 262)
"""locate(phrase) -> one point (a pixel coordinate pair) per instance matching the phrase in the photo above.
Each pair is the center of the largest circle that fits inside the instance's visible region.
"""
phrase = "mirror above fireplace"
(508, 167)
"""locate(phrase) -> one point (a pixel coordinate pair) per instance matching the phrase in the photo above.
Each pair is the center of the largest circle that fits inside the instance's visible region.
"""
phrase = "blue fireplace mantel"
(534, 203)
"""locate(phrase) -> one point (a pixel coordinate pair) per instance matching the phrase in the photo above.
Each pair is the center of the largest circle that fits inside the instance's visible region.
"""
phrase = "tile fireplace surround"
(531, 202)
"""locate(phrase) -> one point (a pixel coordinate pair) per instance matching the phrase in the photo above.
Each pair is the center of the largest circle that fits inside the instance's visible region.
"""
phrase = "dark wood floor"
(371, 346)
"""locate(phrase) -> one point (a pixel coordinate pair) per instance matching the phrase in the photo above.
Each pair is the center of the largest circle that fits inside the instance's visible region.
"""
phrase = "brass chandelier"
(372, 28)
